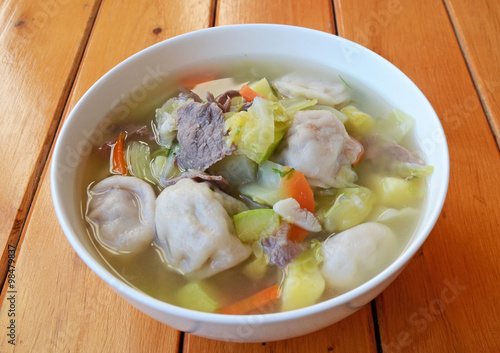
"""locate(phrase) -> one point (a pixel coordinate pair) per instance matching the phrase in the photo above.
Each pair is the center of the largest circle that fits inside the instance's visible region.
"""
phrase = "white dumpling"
(195, 228)
(325, 92)
(354, 256)
(318, 146)
(121, 208)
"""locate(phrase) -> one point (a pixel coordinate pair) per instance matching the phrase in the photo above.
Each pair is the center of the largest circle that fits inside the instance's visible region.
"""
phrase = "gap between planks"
(41, 164)
(474, 76)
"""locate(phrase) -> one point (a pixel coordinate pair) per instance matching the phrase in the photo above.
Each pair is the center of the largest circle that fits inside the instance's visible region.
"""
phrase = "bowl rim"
(156, 304)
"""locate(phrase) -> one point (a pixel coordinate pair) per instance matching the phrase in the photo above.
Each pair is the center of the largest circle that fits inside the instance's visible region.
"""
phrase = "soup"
(255, 188)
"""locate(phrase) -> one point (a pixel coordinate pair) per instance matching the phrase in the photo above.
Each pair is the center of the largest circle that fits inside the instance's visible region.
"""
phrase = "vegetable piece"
(351, 207)
(267, 187)
(118, 156)
(394, 127)
(357, 122)
(164, 166)
(262, 195)
(197, 296)
(166, 121)
(192, 81)
(411, 170)
(304, 283)
(254, 225)
(292, 105)
(290, 210)
(237, 169)
(249, 94)
(253, 131)
(263, 89)
(139, 159)
(295, 185)
(397, 192)
(254, 302)
(258, 267)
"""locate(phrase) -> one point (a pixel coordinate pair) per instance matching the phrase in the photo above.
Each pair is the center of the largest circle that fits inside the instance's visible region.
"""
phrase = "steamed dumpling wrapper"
(326, 93)
(121, 210)
(354, 256)
(195, 228)
(318, 146)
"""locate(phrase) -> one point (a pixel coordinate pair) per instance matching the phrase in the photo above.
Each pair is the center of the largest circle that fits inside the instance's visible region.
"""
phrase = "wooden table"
(51, 52)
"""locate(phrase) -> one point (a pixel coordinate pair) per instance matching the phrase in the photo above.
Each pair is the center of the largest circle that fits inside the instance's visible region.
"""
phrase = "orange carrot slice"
(295, 185)
(249, 94)
(118, 156)
(358, 159)
(253, 302)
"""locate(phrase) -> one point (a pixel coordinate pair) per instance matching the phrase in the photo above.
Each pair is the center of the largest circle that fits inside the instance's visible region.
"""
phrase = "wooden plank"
(311, 14)
(40, 49)
(353, 334)
(356, 333)
(444, 300)
(476, 24)
(61, 305)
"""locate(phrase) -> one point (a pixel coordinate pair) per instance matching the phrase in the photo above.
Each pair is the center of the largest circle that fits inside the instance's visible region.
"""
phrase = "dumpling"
(318, 146)
(195, 228)
(121, 209)
(355, 255)
(326, 93)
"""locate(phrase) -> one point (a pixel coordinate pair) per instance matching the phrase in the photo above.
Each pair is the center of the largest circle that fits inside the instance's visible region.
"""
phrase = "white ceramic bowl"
(126, 85)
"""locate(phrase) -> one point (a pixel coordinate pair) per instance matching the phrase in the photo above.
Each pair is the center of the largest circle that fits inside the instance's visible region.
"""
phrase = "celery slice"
(197, 296)
(254, 225)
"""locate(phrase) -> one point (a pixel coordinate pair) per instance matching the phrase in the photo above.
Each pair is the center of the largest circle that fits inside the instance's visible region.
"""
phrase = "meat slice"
(224, 100)
(280, 249)
(200, 134)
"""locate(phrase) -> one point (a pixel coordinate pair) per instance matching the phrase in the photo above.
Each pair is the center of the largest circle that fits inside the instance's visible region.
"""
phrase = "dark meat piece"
(200, 135)
(246, 106)
(377, 149)
(185, 95)
(224, 100)
(216, 180)
(280, 249)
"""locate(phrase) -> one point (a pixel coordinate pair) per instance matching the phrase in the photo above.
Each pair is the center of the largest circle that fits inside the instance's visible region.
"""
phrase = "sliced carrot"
(249, 94)
(191, 82)
(253, 302)
(118, 156)
(361, 153)
(295, 185)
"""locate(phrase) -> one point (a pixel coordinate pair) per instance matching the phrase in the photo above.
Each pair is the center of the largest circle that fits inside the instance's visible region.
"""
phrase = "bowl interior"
(143, 78)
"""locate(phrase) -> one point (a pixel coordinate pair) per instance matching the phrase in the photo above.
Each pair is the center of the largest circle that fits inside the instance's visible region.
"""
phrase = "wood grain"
(62, 305)
(311, 14)
(356, 333)
(40, 49)
(476, 24)
(444, 300)
(353, 334)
